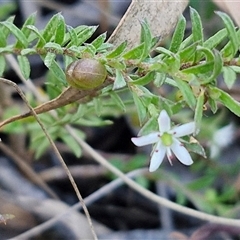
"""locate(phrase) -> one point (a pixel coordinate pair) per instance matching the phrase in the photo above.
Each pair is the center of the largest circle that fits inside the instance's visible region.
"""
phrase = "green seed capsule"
(86, 74)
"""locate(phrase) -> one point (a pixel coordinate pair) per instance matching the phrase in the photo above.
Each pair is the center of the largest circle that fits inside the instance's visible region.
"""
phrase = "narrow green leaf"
(71, 37)
(197, 29)
(159, 79)
(97, 106)
(119, 80)
(228, 101)
(187, 93)
(235, 69)
(41, 40)
(178, 35)
(195, 147)
(25, 30)
(60, 30)
(97, 43)
(146, 39)
(199, 69)
(5, 32)
(2, 65)
(49, 31)
(56, 70)
(49, 58)
(115, 63)
(188, 53)
(231, 31)
(24, 66)
(118, 101)
(28, 51)
(16, 32)
(117, 51)
(213, 105)
(186, 42)
(53, 47)
(216, 39)
(217, 68)
(72, 144)
(141, 109)
(229, 76)
(84, 35)
(149, 77)
(199, 110)
(134, 53)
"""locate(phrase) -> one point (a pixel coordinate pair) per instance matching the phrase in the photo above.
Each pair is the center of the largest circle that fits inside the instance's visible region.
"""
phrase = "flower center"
(167, 139)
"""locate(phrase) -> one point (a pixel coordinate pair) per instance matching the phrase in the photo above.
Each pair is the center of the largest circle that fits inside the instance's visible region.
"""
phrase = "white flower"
(166, 141)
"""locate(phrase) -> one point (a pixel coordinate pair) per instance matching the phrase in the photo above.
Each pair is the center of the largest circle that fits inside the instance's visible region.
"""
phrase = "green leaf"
(71, 142)
(41, 40)
(216, 39)
(186, 92)
(2, 65)
(97, 43)
(53, 48)
(119, 80)
(229, 76)
(60, 30)
(231, 32)
(4, 33)
(24, 66)
(141, 109)
(25, 30)
(213, 105)
(134, 53)
(16, 32)
(84, 35)
(195, 147)
(117, 51)
(56, 69)
(235, 69)
(199, 69)
(146, 39)
(188, 53)
(49, 58)
(178, 35)
(159, 79)
(149, 77)
(28, 51)
(49, 31)
(227, 101)
(199, 110)
(197, 29)
(71, 37)
(150, 126)
(115, 63)
(118, 101)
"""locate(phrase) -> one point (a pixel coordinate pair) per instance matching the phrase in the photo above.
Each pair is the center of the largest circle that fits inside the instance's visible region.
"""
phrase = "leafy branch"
(191, 66)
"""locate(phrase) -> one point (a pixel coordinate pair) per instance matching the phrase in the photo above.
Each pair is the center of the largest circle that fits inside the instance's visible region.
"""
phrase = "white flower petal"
(164, 122)
(157, 157)
(181, 152)
(146, 140)
(169, 155)
(183, 130)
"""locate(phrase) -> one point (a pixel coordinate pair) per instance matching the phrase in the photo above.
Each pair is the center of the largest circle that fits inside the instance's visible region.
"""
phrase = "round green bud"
(86, 74)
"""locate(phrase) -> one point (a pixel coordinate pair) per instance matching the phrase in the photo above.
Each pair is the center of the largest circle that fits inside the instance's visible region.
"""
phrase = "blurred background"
(211, 185)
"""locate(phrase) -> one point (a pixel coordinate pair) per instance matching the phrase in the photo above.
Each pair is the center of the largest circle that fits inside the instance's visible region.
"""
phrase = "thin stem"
(147, 193)
(103, 191)
(55, 151)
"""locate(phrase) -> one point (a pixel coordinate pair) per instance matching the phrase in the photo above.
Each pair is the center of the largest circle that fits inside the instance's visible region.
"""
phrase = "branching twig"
(103, 191)
(149, 194)
(55, 151)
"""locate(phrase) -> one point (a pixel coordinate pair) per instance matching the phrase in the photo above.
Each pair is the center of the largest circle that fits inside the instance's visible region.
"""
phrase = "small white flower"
(166, 141)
